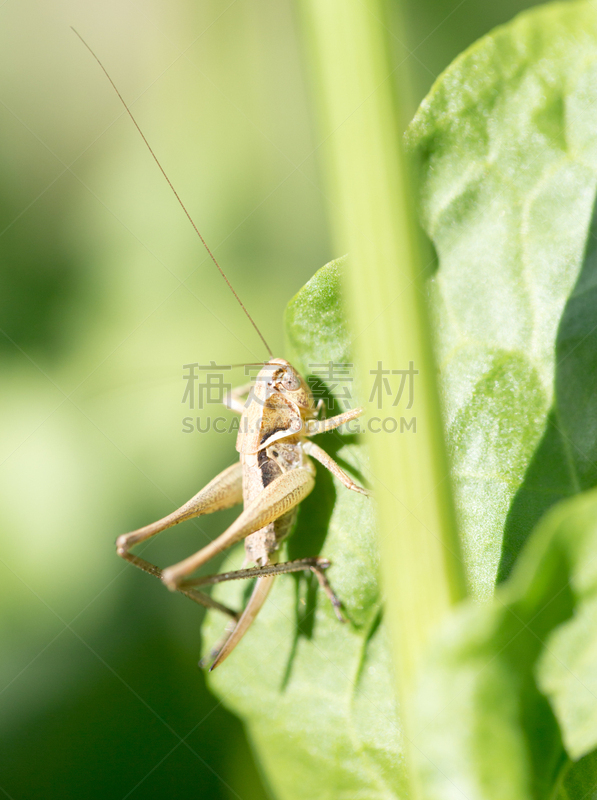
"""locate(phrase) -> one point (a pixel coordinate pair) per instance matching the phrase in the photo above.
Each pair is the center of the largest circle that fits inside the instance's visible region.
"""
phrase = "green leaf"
(579, 781)
(507, 147)
(508, 155)
(316, 328)
(316, 695)
(486, 728)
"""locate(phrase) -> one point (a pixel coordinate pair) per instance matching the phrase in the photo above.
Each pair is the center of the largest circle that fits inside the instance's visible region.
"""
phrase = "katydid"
(275, 472)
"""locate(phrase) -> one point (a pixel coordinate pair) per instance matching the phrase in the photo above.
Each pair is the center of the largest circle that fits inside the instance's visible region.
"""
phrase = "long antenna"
(182, 205)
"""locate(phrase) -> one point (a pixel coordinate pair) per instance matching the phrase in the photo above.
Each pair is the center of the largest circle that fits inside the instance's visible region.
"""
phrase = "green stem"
(372, 219)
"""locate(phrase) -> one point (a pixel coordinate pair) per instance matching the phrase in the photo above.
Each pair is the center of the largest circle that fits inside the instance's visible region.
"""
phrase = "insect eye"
(290, 381)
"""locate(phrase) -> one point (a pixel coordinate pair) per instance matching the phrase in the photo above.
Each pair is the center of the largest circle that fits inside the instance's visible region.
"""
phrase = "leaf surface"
(507, 153)
(316, 695)
(507, 148)
(506, 144)
(486, 723)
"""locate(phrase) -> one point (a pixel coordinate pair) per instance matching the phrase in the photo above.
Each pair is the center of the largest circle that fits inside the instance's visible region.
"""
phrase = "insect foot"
(317, 569)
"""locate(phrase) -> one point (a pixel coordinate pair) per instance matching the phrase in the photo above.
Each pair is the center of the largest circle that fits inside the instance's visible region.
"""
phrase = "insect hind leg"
(314, 564)
(265, 578)
(224, 491)
(193, 594)
(277, 498)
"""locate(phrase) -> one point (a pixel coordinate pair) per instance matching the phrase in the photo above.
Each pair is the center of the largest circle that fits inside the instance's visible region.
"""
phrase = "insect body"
(274, 473)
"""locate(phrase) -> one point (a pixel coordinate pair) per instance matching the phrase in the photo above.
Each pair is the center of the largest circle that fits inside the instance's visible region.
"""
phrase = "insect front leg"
(280, 496)
(316, 426)
(328, 462)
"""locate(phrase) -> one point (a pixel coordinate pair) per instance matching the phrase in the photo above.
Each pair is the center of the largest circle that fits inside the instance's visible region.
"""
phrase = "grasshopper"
(274, 473)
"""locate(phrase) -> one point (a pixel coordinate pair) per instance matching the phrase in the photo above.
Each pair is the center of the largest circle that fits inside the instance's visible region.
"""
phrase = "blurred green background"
(104, 294)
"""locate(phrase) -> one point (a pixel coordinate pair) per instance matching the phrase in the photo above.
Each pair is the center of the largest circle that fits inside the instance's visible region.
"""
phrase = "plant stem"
(372, 219)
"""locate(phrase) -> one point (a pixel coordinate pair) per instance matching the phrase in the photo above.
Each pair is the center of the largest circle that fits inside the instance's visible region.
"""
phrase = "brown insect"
(273, 475)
